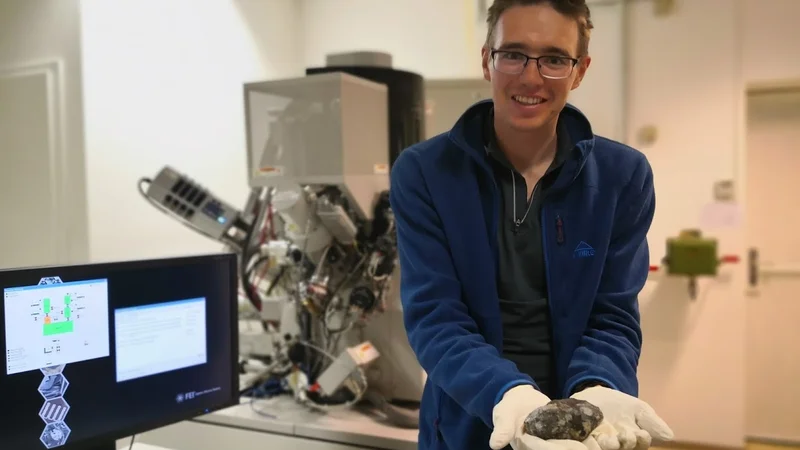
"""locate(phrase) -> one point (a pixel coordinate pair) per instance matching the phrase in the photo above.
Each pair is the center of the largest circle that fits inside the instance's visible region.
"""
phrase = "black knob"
(296, 255)
(362, 297)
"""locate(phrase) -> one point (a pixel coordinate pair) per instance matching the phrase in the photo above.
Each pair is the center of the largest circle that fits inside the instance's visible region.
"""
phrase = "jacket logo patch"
(583, 250)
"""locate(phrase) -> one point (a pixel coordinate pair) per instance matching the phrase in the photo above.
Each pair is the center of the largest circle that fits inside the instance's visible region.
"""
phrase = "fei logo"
(583, 250)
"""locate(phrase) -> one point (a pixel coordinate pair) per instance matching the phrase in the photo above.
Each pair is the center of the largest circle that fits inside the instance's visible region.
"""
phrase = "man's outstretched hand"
(509, 419)
(628, 424)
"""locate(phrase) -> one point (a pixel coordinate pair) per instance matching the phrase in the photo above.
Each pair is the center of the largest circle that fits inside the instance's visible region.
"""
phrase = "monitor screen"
(94, 353)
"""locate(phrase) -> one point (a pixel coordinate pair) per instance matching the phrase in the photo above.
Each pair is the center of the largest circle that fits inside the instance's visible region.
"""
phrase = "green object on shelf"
(692, 254)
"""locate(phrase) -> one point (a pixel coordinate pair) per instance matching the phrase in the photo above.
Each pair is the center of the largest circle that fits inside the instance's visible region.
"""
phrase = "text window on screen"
(159, 338)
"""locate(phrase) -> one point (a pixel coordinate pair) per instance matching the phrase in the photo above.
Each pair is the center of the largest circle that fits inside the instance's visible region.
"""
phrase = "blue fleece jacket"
(595, 219)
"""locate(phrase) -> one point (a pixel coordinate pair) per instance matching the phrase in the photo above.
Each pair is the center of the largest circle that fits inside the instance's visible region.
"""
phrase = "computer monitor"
(98, 352)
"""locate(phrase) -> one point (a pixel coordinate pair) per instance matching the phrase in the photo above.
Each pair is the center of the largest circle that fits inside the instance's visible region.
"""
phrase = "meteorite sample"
(569, 418)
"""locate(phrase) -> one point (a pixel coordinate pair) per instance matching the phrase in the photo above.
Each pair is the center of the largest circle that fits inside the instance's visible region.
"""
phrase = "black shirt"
(521, 277)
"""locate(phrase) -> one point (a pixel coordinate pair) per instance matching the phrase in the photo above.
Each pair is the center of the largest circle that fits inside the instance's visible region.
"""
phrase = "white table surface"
(285, 416)
(138, 446)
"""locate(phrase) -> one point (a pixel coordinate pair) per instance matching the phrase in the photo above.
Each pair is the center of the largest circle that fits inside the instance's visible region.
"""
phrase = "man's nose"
(530, 74)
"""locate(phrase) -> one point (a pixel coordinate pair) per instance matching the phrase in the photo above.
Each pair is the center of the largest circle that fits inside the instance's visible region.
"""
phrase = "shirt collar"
(563, 142)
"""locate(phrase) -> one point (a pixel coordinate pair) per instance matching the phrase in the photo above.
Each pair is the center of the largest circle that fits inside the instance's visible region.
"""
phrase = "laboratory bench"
(280, 423)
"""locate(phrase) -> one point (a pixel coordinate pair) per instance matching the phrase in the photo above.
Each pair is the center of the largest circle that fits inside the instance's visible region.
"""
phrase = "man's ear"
(485, 60)
(582, 67)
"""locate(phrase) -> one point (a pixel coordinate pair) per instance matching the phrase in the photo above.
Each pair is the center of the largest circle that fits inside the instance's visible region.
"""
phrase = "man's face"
(532, 31)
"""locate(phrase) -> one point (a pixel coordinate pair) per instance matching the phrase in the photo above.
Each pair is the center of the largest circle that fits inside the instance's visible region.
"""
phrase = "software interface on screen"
(101, 349)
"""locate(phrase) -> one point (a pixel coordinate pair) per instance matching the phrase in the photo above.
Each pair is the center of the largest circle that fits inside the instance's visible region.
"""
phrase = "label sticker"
(271, 170)
(380, 169)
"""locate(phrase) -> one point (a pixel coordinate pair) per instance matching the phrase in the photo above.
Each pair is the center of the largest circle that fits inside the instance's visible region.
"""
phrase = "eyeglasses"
(514, 63)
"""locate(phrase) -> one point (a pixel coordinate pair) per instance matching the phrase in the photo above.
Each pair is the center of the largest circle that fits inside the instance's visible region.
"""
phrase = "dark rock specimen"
(569, 418)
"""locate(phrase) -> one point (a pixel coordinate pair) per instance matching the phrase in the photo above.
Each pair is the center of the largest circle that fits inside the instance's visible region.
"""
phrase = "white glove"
(628, 423)
(509, 420)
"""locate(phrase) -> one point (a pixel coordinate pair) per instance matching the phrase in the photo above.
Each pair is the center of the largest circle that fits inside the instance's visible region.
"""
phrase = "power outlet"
(663, 8)
(724, 191)
(647, 135)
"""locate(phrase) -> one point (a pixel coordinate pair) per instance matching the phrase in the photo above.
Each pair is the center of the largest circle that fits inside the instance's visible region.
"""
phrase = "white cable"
(361, 389)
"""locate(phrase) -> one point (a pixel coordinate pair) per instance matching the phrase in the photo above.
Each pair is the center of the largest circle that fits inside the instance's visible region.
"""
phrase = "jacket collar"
(564, 143)
(468, 134)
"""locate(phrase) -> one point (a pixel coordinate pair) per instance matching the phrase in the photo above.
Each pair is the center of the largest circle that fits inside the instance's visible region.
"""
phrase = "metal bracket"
(758, 270)
(752, 267)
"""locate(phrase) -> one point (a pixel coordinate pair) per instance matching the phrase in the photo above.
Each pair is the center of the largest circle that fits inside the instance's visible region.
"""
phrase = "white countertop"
(283, 415)
(138, 446)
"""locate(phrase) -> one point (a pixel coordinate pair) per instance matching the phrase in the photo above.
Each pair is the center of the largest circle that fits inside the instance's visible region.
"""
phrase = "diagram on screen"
(58, 320)
(55, 324)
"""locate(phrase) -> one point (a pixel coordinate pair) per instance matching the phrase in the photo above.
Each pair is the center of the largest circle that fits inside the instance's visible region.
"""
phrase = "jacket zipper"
(546, 259)
(559, 230)
(549, 282)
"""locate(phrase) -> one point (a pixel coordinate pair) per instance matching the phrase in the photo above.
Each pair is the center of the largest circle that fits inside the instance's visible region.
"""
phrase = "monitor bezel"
(232, 265)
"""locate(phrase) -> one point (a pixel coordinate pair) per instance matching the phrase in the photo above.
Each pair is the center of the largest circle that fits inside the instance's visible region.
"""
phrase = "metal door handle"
(786, 270)
(758, 269)
(752, 267)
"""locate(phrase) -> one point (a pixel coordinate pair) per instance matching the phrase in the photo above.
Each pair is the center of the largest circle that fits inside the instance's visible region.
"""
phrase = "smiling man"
(522, 240)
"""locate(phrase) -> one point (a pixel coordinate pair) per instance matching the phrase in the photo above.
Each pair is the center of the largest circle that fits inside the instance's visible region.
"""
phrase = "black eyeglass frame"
(528, 59)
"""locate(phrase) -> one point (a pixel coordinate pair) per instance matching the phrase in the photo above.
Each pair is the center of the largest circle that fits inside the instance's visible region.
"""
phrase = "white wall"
(163, 85)
(433, 38)
(770, 44)
(40, 31)
(443, 40)
(692, 368)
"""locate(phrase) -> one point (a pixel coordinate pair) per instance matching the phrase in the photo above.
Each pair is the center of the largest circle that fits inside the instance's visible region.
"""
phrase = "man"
(522, 241)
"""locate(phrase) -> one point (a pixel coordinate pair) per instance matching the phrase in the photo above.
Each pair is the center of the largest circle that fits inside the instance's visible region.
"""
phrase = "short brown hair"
(575, 9)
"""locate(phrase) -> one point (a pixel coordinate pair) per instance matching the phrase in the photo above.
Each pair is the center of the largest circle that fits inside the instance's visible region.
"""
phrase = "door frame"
(740, 172)
(53, 71)
(740, 161)
(740, 169)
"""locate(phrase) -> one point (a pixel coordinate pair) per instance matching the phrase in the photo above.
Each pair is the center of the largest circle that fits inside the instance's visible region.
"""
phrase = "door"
(773, 307)
(31, 225)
